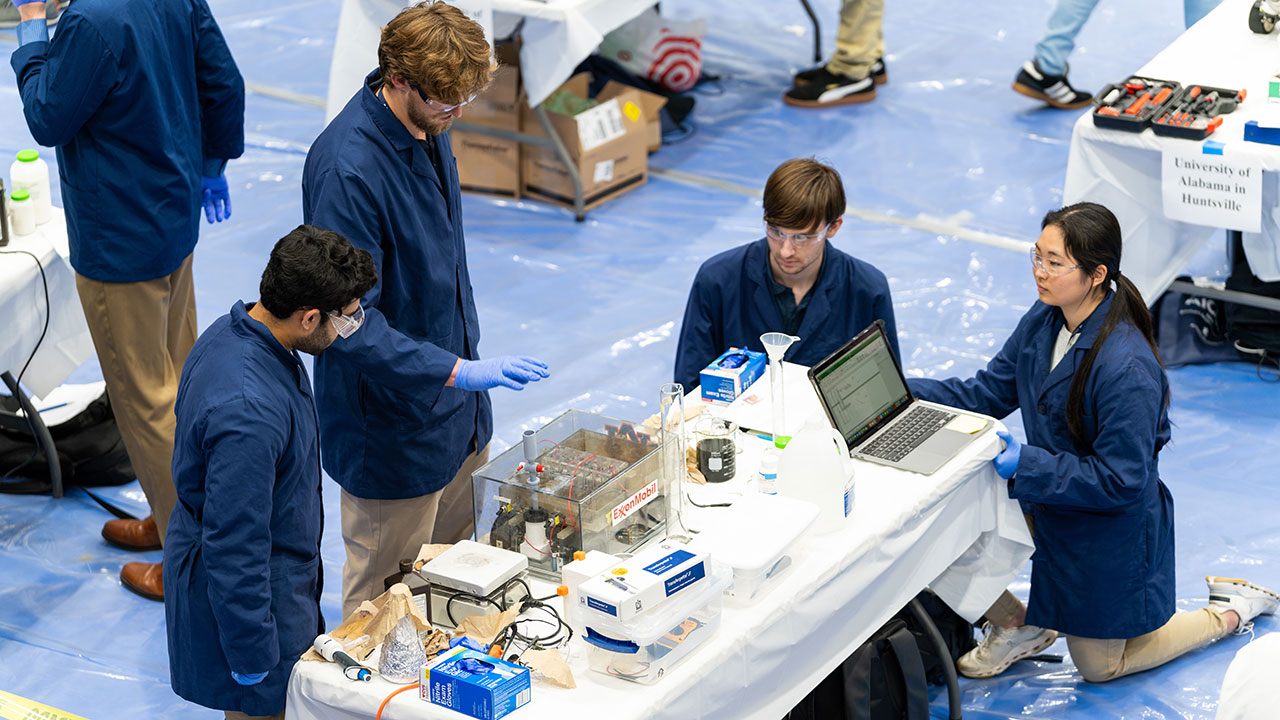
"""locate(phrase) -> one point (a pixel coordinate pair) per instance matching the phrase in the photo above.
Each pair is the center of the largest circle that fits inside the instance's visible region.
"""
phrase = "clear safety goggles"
(346, 325)
(797, 239)
(1053, 267)
(440, 107)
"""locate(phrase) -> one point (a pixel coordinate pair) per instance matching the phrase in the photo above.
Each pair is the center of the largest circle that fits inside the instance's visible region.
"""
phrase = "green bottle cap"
(20, 196)
(781, 441)
(28, 156)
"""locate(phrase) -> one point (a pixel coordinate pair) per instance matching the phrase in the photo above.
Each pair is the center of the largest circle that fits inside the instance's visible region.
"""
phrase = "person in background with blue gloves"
(404, 409)
(145, 106)
(242, 561)
(1083, 367)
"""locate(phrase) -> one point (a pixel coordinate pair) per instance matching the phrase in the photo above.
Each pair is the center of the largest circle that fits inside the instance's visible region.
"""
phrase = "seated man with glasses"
(242, 557)
(793, 280)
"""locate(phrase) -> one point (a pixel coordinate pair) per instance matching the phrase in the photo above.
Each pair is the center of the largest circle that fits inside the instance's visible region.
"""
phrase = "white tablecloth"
(1122, 170)
(557, 35)
(22, 305)
(956, 531)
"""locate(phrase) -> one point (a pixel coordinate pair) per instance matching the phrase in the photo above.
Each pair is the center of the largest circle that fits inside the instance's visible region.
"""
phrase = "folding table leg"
(940, 645)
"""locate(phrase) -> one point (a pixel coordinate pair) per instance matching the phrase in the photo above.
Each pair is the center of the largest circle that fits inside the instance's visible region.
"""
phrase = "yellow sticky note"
(631, 110)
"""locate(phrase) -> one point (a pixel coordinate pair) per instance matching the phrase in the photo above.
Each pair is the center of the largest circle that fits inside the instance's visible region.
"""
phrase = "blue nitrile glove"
(216, 198)
(468, 642)
(249, 678)
(1007, 461)
(513, 371)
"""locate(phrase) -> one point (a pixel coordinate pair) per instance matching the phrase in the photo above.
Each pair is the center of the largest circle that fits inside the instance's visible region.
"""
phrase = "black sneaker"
(878, 73)
(827, 89)
(1053, 89)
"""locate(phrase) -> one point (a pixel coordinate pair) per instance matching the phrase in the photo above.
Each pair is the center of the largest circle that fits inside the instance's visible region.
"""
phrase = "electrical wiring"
(394, 693)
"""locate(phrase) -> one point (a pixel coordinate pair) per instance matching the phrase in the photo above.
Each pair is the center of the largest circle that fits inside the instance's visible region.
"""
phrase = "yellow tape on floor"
(13, 707)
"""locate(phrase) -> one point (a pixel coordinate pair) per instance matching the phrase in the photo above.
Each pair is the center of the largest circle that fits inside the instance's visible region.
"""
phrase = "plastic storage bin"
(753, 538)
(644, 649)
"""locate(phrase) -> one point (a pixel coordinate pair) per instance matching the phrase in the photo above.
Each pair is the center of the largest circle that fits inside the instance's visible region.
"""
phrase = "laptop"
(865, 395)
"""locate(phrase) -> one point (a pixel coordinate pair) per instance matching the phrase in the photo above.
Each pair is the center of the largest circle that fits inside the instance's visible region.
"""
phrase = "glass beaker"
(717, 451)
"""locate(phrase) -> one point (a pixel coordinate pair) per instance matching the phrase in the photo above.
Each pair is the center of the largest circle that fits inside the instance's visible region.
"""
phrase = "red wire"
(388, 699)
(526, 542)
(571, 479)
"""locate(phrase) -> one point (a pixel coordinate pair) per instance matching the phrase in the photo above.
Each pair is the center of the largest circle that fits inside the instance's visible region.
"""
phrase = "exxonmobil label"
(633, 503)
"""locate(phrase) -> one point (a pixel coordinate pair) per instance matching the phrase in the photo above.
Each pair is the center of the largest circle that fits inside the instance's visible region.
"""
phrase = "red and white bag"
(668, 52)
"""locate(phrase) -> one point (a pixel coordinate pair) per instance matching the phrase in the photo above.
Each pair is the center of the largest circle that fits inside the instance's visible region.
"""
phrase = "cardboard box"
(475, 684)
(608, 144)
(487, 164)
(731, 373)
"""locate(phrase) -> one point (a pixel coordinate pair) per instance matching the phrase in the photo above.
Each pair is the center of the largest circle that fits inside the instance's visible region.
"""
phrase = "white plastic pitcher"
(815, 466)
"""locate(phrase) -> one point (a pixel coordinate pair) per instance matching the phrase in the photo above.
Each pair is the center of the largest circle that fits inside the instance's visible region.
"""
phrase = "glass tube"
(671, 410)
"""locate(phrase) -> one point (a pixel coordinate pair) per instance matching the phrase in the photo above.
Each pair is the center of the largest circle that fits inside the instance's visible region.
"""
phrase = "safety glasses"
(439, 106)
(797, 240)
(1053, 267)
(346, 325)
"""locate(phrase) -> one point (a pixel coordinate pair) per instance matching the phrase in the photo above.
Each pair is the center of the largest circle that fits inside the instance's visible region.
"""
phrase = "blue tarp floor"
(946, 171)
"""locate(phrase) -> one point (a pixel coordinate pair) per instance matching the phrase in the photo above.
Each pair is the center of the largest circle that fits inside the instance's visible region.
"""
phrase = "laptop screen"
(860, 385)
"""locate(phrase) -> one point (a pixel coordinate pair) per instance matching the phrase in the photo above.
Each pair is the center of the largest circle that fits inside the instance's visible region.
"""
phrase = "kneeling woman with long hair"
(1083, 368)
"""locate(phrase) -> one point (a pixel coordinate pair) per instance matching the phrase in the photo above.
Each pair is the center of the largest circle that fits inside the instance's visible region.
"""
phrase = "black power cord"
(44, 280)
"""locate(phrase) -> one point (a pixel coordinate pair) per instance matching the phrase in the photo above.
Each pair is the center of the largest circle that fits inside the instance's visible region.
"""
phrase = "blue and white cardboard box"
(475, 684)
(730, 374)
(644, 582)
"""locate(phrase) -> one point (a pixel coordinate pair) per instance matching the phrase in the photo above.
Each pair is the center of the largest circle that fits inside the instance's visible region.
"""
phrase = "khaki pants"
(860, 41)
(142, 332)
(380, 533)
(1103, 660)
(233, 715)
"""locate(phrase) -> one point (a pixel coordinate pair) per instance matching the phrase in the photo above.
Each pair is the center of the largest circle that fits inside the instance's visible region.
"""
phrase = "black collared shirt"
(785, 299)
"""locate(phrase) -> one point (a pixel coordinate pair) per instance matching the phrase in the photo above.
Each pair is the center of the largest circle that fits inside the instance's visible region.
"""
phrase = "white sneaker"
(1002, 647)
(1247, 599)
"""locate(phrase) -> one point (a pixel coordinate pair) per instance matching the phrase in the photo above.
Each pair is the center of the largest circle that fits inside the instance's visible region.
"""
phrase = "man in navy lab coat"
(793, 280)
(145, 106)
(242, 561)
(404, 409)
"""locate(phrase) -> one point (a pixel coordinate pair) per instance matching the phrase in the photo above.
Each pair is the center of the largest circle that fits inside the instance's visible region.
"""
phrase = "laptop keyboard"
(907, 433)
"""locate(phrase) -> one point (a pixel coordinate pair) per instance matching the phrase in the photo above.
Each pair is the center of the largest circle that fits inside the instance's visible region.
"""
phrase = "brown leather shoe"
(145, 579)
(132, 534)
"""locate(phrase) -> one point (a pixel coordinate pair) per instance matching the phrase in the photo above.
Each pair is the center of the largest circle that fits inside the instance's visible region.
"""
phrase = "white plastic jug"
(815, 466)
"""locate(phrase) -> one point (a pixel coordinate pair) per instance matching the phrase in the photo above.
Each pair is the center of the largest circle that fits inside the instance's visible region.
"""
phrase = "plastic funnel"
(776, 344)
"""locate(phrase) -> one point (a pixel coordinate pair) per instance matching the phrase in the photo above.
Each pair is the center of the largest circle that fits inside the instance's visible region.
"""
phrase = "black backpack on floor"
(1255, 331)
(90, 451)
(887, 677)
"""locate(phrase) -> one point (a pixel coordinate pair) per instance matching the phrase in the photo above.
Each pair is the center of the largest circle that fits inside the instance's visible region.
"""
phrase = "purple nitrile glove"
(1007, 461)
(216, 198)
(512, 371)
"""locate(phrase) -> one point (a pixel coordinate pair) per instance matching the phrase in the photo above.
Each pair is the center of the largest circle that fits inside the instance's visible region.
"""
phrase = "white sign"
(604, 171)
(1214, 190)
(599, 125)
(633, 503)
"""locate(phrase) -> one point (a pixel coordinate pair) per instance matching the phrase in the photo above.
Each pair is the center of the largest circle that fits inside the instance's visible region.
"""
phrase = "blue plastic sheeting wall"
(601, 302)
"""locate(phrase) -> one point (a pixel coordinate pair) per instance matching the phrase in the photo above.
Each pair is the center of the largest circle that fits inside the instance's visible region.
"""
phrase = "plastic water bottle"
(767, 481)
(815, 467)
(30, 173)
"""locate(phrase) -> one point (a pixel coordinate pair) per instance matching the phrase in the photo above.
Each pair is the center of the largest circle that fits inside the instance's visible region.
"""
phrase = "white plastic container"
(753, 538)
(767, 479)
(30, 173)
(644, 648)
(815, 466)
(22, 214)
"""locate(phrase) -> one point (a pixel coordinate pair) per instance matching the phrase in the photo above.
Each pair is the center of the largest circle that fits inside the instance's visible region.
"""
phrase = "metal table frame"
(43, 439)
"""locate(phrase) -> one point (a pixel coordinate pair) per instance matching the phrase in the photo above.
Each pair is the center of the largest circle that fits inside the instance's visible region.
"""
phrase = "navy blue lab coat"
(391, 429)
(731, 305)
(135, 95)
(1103, 561)
(242, 570)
